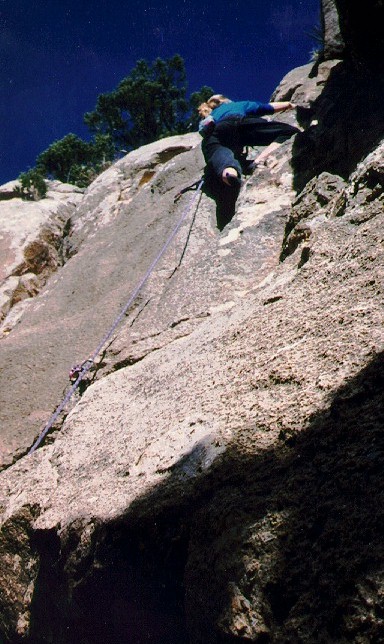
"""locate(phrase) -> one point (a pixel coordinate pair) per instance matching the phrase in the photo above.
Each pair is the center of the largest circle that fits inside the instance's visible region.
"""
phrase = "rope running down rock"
(87, 365)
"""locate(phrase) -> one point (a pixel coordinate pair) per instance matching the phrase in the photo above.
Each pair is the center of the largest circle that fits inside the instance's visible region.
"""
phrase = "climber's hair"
(204, 110)
(217, 99)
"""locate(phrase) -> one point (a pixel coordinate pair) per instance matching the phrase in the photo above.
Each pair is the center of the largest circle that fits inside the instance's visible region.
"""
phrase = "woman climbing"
(228, 126)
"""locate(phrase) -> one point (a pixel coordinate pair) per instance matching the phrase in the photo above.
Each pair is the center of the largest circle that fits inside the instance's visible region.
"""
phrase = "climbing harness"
(78, 372)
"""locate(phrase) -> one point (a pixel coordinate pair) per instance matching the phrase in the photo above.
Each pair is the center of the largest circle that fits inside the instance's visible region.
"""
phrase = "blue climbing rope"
(87, 365)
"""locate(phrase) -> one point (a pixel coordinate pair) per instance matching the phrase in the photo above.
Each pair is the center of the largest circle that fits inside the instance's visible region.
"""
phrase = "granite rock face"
(334, 46)
(115, 233)
(31, 243)
(340, 96)
(219, 479)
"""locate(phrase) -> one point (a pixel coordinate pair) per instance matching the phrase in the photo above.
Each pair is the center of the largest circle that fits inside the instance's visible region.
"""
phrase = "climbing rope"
(84, 367)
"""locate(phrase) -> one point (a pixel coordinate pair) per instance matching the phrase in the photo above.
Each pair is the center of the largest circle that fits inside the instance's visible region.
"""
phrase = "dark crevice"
(129, 361)
(134, 593)
(169, 153)
(304, 257)
(7, 195)
(271, 300)
(50, 594)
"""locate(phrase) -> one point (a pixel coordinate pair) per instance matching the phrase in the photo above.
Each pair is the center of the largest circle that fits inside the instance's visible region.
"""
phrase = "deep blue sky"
(57, 56)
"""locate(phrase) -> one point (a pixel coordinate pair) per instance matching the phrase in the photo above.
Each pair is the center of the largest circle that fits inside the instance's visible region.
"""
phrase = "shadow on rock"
(285, 545)
(225, 198)
(342, 126)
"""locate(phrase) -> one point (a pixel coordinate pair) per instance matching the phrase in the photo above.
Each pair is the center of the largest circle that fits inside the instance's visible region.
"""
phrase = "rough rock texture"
(31, 243)
(305, 84)
(334, 46)
(340, 99)
(220, 479)
(235, 461)
(341, 127)
(125, 220)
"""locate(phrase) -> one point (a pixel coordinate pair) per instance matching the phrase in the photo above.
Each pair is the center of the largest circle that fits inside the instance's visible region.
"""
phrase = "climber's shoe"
(231, 178)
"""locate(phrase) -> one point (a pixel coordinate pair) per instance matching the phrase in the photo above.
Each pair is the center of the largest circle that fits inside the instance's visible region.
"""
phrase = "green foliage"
(32, 185)
(103, 149)
(73, 160)
(148, 104)
(200, 97)
(57, 159)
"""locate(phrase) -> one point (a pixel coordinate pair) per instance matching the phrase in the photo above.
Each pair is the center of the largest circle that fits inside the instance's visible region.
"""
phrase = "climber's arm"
(265, 153)
(281, 106)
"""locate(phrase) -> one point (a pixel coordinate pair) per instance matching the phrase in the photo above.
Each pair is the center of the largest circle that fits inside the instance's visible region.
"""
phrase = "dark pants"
(223, 148)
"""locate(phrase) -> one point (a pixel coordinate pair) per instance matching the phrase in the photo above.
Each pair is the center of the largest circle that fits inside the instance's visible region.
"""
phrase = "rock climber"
(228, 126)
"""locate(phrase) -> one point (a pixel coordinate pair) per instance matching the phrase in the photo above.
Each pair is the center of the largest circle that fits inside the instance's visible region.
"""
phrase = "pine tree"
(150, 103)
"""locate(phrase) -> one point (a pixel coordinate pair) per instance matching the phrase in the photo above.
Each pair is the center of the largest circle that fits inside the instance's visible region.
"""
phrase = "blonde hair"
(204, 110)
(217, 99)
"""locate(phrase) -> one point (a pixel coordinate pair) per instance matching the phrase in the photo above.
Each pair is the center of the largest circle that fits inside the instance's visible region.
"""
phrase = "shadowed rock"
(220, 480)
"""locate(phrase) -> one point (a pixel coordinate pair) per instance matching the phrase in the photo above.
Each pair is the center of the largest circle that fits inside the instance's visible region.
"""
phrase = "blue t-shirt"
(241, 108)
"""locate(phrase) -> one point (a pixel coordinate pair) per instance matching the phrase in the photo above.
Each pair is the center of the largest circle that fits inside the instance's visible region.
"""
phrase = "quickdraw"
(193, 186)
(76, 370)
